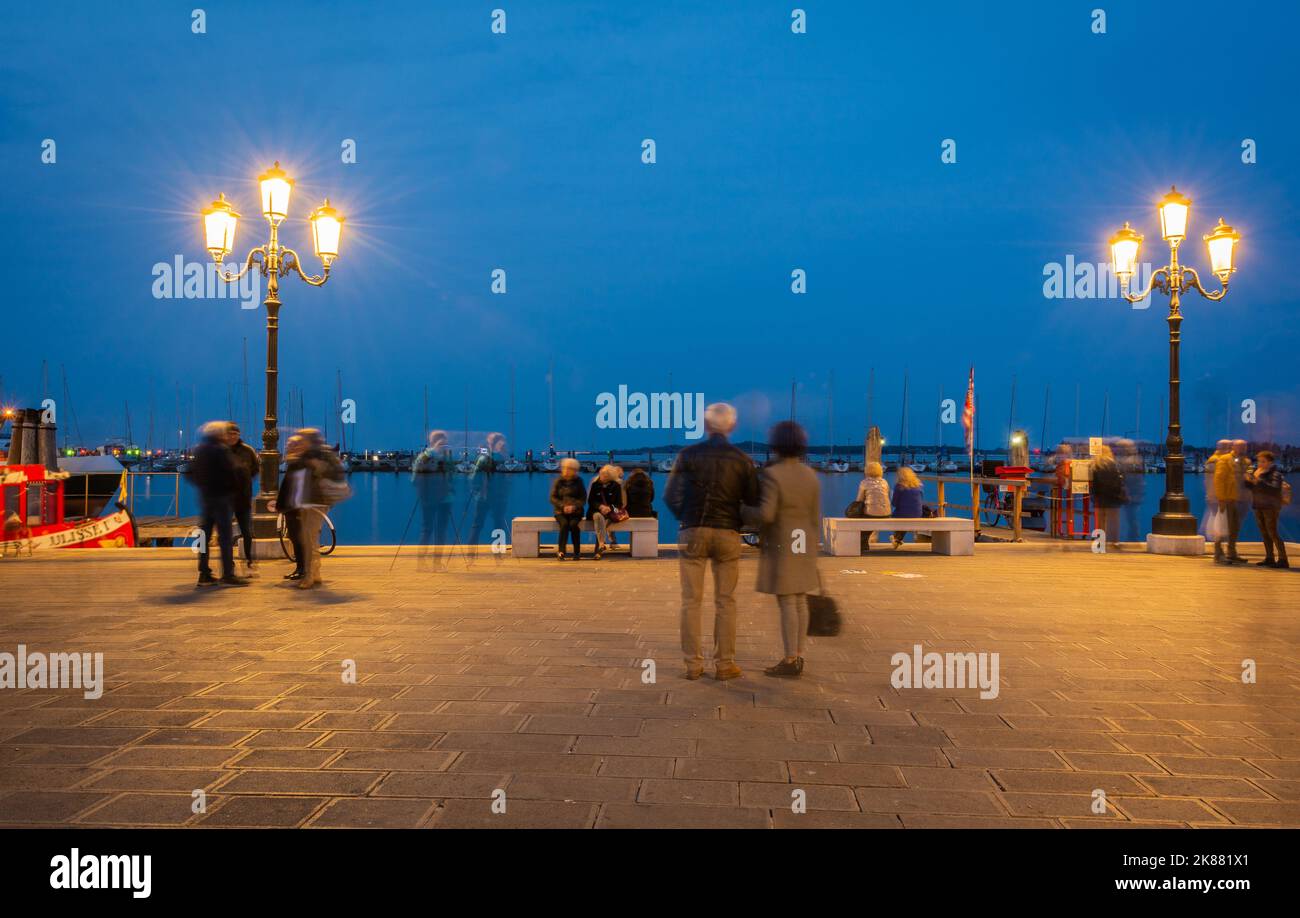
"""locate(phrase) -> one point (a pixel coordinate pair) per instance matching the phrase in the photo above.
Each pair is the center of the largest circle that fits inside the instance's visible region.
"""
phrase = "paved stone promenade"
(1119, 673)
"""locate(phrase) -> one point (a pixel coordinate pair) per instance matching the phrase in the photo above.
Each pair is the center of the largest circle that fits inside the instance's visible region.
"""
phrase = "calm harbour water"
(384, 502)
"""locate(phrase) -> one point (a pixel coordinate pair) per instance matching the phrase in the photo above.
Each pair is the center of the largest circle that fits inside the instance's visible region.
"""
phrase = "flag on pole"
(968, 414)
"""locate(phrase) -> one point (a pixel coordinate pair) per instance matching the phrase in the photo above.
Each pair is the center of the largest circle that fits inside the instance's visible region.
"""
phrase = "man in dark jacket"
(212, 472)
(709, 484)
(247, 465)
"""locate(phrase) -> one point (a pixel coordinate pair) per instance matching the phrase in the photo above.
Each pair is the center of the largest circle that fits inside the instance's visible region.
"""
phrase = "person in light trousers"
(789, 518)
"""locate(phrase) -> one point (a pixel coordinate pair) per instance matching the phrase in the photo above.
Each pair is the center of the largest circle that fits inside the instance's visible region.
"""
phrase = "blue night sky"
(775, 151)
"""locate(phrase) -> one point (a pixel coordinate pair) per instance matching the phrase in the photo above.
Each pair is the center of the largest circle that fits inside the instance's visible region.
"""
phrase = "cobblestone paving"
(1119, 674)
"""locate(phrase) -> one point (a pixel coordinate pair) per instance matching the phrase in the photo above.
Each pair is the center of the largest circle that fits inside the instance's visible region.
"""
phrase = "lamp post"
(274, 261)
(1173, 529)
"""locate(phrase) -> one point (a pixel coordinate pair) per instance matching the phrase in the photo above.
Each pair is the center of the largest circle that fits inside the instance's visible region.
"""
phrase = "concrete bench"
(949, 535)
(524, 532)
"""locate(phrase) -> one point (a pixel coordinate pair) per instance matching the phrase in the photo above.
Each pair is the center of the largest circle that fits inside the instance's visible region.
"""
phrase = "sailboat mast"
(1042, 437)
(550, 401)
(512, 410)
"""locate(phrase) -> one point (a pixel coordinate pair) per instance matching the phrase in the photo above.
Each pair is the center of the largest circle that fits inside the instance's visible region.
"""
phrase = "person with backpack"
(313, 487)
(1269, 492)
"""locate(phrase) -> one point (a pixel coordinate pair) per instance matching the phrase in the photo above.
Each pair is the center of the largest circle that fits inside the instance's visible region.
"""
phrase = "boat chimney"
(48, 445)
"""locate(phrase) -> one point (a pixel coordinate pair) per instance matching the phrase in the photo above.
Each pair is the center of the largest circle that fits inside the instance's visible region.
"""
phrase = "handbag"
(855, 511)
(617, 514)
(824, 618)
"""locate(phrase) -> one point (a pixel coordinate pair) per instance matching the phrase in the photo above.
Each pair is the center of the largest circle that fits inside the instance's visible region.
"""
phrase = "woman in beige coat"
(789, 514)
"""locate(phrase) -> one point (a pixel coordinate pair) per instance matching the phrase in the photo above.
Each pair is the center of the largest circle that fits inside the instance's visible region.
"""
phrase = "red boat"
(31, 501)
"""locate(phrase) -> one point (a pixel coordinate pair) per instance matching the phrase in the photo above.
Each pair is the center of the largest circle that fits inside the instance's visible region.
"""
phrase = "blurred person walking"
(317, 484)
(1269, 492)
(248, 465)
(212, 472)
(293, 450)
(1108, 494)
(710, 483)
(789, 518)
(1211, 522)
(1229, 478)
(1134, 470)
(430, 475)
(488, 492)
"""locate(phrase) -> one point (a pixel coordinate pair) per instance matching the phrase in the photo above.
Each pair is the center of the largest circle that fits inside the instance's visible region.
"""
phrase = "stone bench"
(524, 532)
(949, 535)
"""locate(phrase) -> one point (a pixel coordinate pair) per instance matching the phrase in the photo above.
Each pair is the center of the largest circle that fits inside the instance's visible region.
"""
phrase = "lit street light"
(1173, 529)
(274, 261)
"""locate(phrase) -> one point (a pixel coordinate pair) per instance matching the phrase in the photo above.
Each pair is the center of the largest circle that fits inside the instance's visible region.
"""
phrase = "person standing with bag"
(789, 520)
(1269, 492)
(316, 486)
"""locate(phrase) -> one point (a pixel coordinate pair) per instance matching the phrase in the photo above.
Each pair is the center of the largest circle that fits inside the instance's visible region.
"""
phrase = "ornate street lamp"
(1173, 529)
(274, 261)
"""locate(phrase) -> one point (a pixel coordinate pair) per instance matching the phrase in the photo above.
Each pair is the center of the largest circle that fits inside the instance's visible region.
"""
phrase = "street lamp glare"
(276, 188)
(1174, 210)
(219, 221)
(1222, 243)
(1124, 247)
(326, 230)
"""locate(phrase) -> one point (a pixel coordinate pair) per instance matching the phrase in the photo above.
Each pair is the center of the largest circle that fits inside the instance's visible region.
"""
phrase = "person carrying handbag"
(606, 504)
(789, 517)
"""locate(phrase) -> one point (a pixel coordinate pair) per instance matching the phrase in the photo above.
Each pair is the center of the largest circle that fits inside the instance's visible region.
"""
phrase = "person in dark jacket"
(710, 483)
(605, 496)
(907, 499)
(640, 490)
(1107, 493)
(212, 471)
(568, 497)
(247, 467)
(293, 448)
(1266, 484)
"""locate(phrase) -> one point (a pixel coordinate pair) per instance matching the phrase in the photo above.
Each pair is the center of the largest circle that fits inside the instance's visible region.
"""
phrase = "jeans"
(435, 515)
(1274, 546)
(293, 528)
(244, 517)
(794, 622)
(216, 512)
(696, 547)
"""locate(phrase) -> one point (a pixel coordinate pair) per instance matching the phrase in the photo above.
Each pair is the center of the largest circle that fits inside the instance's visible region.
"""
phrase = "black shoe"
(296, 575)
(1267, 562)
(785, 669)
(1283, 565)
(206, 579)
(232, 580)
(1237, 559)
